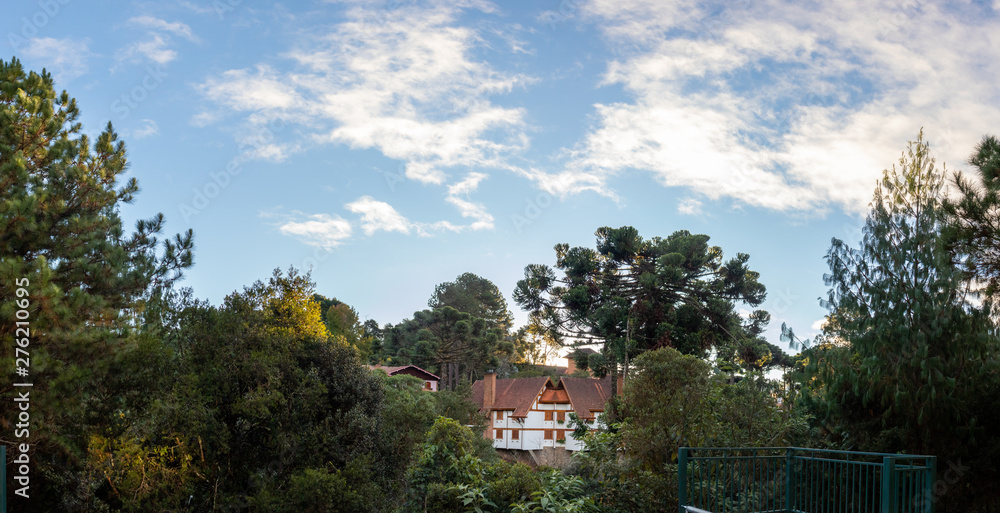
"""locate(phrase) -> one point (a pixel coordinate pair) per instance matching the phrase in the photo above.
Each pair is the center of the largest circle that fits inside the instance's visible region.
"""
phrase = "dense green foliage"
(147, 399)
(672, 400)
(456, 345)
(86, 279)
(910, 359)
(466, 332)
(475, 296)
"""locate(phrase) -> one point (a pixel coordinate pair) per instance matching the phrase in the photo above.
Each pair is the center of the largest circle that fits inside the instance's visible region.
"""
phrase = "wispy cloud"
(781, 105)
(157, 43)
(690, 207)
(262, 90)
(378, 216)
(155, 49)
(458, 196)
(320, 230)
(148, 128)
(176, 28)
(65, 58)
(402, 81)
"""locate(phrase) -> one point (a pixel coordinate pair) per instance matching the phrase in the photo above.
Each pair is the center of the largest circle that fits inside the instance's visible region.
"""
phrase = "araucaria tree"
(632, 294)
(917, 347)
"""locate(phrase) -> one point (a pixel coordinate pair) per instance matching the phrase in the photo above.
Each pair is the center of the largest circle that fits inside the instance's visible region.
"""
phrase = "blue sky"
(392, 146)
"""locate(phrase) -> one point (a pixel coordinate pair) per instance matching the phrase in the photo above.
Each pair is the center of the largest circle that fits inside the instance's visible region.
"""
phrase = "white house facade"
(533, 413)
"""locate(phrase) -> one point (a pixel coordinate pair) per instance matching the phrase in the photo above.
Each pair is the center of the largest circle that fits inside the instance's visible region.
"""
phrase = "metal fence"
(794, 479)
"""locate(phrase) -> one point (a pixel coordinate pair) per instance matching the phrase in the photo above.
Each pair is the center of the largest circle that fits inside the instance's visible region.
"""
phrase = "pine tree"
(975, 218)
(916, 340)
(85, 279)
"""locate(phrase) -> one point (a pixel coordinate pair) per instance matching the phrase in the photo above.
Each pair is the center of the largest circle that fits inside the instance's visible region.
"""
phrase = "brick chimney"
(489, 389)
(570, 365)
(489, 397)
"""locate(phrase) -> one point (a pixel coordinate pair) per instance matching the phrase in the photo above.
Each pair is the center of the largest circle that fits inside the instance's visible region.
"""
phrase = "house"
(430, 380)
(533, 413)
(571, 367)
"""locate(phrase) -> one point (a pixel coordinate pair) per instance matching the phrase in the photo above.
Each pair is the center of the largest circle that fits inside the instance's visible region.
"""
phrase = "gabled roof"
(512, 394)
(412, 370)
(587, 394)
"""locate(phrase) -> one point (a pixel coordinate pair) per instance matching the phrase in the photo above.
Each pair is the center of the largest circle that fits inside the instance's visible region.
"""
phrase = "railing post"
(682, 460)
(929, 484)
(888, 484)
(789, 464)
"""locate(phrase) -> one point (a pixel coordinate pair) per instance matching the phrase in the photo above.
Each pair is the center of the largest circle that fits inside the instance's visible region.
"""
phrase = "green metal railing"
(798, 480)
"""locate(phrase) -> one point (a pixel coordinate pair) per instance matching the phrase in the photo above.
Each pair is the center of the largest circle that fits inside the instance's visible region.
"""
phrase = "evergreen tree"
(474, 295)
(87, 279)
(458, 345)
(975, 218)
(633, 294)
(918, 354)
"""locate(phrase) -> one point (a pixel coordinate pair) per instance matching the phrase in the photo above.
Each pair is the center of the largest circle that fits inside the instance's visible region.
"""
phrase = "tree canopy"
(632, 294)
(476, 296)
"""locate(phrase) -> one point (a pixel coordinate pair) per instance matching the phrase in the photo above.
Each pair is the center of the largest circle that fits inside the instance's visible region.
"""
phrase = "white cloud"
(319, 230)
(690, 207)
(261, 90)
(476, 211)
(401, 81)
(154, 49)
(177, 28)
(784, 106)
(818, 324)
(378, 216)
(157, 45)
(66, 58)
(148, 128)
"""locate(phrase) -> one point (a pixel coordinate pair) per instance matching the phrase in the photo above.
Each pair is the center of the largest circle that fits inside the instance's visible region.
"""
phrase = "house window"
(548, 434)
(427, 385)
(548, 416)
(561, 416)
(515, 434)
(499, 415)
(499, 434)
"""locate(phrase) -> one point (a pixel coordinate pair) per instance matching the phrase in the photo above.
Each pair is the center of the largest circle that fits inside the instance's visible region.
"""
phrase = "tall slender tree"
(917, 344)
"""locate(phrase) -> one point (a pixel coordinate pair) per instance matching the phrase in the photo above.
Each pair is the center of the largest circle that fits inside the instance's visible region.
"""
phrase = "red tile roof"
(512, 394)
(412, 370)
(554, 396)
(587, 394)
